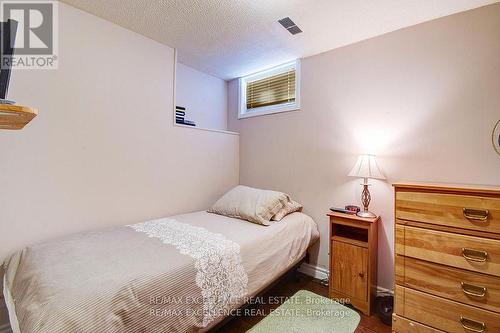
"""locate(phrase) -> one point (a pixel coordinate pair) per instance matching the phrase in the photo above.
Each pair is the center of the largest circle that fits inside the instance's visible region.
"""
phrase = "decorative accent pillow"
(251, 204)
(288, 208)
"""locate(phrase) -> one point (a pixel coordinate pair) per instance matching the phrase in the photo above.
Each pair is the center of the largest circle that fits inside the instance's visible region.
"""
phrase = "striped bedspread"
(178, 274)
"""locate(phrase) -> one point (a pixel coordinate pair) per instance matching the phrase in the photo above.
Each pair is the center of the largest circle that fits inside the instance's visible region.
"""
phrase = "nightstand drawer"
(443, 314)
(466, 252)
(452, 283)
(460, 211)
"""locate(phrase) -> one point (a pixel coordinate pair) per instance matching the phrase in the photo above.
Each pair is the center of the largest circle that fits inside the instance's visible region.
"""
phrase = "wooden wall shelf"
(15, 117)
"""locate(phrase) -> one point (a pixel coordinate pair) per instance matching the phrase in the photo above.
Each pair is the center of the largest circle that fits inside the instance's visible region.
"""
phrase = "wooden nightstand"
(353, 260)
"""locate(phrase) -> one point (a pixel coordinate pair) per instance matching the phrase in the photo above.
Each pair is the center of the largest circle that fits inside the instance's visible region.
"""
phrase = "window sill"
(207, 129)
(266, 112)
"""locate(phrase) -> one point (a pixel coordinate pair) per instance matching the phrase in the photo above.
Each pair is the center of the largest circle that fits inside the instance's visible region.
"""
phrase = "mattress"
(184, 273)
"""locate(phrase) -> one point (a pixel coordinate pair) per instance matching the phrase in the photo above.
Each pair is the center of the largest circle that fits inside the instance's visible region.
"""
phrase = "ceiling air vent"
(289, 25)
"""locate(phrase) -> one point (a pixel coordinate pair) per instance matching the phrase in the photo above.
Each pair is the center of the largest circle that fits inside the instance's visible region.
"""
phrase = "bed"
(184, 273)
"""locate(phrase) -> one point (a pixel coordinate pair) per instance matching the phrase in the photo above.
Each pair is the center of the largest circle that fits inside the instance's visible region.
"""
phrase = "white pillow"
(251, 204)
(288, 208)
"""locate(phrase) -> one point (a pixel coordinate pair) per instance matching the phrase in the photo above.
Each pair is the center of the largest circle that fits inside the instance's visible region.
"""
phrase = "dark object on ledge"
(353, 208)
(8, 32)
(185, 122)
(383, 307)
(340, 210)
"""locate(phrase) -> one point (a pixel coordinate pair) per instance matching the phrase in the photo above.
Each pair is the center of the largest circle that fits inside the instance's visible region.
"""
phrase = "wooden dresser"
(447, 259)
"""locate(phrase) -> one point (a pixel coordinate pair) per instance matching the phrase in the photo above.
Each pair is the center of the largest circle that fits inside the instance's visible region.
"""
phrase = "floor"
(287, 287)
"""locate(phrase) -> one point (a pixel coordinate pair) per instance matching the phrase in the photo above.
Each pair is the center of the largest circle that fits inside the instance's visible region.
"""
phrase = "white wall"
(204, 96)
(424, 99)
(103, 150)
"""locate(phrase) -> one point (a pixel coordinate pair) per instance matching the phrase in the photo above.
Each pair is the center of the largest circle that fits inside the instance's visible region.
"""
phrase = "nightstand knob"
(361, 275)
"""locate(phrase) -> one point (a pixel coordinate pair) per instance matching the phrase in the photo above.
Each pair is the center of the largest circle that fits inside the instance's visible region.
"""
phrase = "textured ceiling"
(230, 38)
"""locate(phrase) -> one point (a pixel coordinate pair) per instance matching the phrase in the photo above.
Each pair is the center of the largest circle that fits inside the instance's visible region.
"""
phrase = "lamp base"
(366, 214)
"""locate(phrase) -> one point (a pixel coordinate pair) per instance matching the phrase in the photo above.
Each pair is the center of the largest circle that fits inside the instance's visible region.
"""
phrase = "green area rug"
(307, 312)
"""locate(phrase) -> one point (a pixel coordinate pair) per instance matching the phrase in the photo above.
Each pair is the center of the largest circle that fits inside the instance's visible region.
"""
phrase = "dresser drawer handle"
(472, 325)
(473, 290)
(476, 214)
(474, 255)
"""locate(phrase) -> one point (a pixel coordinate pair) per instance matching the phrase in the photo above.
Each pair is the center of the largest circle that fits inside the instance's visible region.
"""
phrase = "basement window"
(270, 91)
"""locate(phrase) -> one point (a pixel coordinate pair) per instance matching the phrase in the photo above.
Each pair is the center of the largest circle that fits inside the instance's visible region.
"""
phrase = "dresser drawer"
(452, 283)
(403, 325)
(453, 210)
(466, 252)
(444, 314)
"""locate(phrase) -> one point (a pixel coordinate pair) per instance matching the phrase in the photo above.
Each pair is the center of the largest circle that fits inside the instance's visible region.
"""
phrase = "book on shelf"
(180, 113)
(185, 122)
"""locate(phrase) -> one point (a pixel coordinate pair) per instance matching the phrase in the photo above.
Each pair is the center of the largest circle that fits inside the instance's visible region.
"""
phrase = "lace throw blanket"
(220, 275)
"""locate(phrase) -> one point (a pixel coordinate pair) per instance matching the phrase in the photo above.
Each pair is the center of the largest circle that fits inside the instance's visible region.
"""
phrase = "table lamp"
(366, 167)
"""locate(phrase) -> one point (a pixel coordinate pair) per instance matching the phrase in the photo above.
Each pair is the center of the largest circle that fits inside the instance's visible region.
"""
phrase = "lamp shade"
(366, 167)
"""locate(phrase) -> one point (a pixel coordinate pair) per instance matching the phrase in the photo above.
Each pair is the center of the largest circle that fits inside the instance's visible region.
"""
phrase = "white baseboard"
(384, 291)
(321, 273)
(317, 272)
